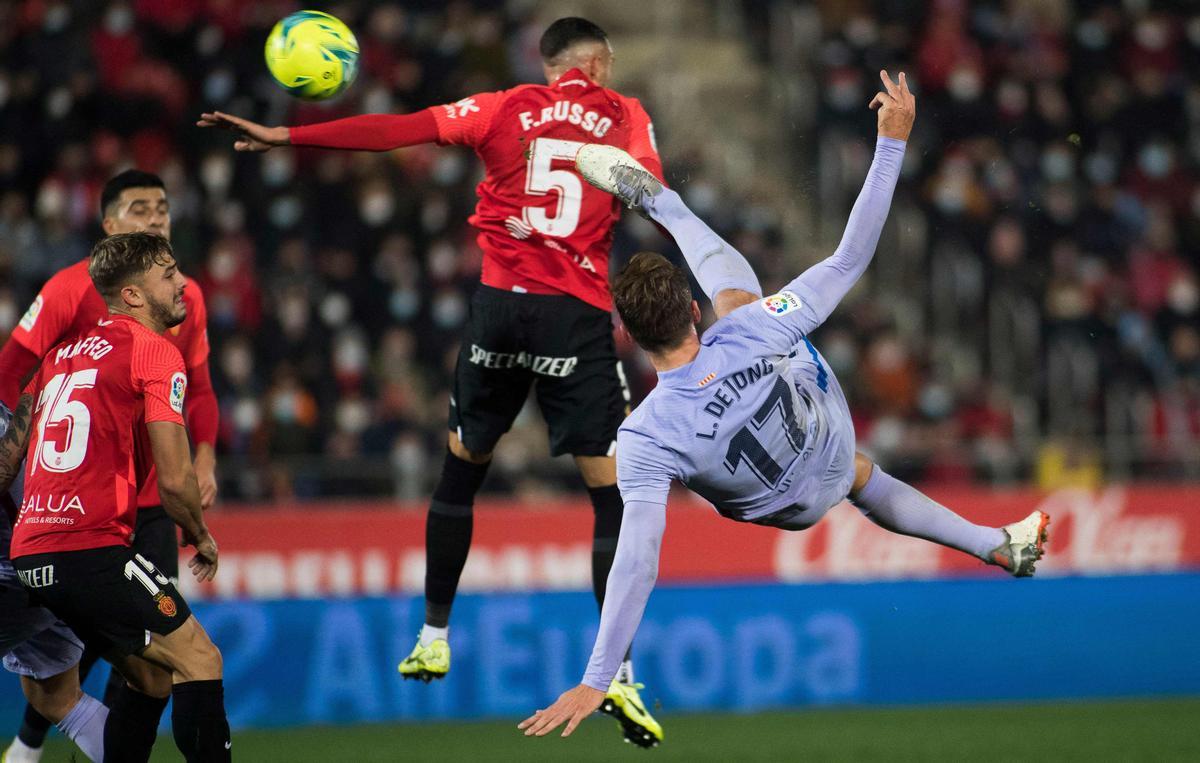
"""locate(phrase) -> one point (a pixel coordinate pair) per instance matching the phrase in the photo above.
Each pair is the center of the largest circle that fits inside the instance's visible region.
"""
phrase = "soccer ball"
(313, 55)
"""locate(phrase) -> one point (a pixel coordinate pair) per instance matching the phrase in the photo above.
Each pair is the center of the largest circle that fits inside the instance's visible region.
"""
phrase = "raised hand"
(571, 706)
(251, 135)
(897, 107)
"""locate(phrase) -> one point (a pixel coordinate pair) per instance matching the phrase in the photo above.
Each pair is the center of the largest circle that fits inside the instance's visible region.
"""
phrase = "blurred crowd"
(1037, 314)
(1034, 310)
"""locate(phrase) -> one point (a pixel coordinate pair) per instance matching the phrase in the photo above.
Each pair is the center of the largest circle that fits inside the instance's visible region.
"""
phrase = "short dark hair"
(119, 259)
(654, 300)
(127, 179)
(565, 32)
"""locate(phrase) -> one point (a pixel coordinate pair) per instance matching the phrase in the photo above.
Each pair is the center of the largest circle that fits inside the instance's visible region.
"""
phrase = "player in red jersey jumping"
(69, 305)
(107, 407)
(542, 315)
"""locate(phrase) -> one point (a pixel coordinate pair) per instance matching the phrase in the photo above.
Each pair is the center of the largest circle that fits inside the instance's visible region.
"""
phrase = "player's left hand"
(571, 706)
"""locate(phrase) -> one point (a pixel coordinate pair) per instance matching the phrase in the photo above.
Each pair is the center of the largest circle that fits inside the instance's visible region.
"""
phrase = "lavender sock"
(895, 506)
(84, 725)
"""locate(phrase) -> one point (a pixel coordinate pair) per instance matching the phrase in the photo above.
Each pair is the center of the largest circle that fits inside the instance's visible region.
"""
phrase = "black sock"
(33, 726)
(608, 508)
(132, 725)
(116, 684)
(198, 722)
(606, 503)
(448, 534)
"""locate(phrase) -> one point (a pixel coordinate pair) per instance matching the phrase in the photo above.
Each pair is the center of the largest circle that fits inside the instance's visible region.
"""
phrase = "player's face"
(140, 209)
(603, 66)
(163, 287)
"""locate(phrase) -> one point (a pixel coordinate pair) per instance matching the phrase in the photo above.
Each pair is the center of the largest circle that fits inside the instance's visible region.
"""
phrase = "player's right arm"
(463, 122)
(806, 302)
(644, 473)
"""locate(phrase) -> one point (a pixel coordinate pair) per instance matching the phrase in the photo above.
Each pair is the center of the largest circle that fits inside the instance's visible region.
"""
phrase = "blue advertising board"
(740, 648)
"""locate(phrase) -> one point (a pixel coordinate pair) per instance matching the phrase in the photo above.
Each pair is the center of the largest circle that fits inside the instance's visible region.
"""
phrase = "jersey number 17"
(764, 458)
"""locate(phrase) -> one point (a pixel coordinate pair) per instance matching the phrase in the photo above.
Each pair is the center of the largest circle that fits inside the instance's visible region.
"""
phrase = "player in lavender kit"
(749, 416)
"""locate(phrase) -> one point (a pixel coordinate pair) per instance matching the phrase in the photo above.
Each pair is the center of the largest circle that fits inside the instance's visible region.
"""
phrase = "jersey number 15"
(58, 409)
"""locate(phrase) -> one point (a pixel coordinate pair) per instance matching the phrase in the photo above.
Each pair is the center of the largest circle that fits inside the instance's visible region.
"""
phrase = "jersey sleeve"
(158, 374)
(48, 317)
(644, 472)
(465, 122)
(642, 145)
(779, 322)
(644, 468)
(368, 132)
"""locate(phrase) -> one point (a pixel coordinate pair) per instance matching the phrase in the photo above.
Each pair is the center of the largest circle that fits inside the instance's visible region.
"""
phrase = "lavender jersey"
(756, 424)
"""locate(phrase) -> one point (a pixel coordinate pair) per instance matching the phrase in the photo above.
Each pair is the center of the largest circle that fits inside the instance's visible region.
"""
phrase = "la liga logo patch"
(178, 392)
(781, 304)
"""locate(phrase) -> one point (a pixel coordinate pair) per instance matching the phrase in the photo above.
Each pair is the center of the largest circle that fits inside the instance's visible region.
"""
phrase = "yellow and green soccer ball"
(312, 55)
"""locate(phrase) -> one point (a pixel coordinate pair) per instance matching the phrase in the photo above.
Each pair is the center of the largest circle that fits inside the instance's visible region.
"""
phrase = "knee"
(863, 467)
(147, 678)
(53, 700)
(460, 451)
(204, 662)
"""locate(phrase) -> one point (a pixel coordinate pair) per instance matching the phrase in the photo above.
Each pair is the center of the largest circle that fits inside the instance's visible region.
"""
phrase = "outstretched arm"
(809, 299)
(368, 132)
(630, 582)
(463, 122)
(644, 472)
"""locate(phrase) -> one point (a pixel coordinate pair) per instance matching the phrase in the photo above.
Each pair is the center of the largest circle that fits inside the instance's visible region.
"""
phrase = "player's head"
(135, 201)
(655, 302)
(137, 275)
(575, 43)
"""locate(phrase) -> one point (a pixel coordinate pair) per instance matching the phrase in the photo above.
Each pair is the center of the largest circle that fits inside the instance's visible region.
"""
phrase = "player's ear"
(695, 311)
(107, 226)
(132, 296)
(623, 333)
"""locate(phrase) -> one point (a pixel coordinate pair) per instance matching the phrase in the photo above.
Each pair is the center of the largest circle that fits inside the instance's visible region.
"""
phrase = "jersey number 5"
(745, 445)
(541, 179)
(59, 409)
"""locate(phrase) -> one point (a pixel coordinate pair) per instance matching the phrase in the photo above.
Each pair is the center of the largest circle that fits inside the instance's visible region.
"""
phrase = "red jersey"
(93, 397)
(542, 228)
(69, 306)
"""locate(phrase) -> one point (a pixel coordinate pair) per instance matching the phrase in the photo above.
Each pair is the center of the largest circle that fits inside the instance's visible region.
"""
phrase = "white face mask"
(118, 20)
(1183, 296)
(239, 364)
(376, 208)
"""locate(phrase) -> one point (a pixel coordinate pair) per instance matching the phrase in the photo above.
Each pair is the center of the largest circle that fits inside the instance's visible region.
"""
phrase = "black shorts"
(155, 537)
(112, 597)
(563, 348)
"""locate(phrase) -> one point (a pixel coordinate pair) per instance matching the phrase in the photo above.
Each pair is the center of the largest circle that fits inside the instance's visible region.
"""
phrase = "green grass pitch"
(1149, 730)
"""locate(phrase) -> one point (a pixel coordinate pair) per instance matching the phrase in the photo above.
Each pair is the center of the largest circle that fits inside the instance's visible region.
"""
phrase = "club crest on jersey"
(178, 392)
(782, 303)
(31, 315)
(166, 604)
